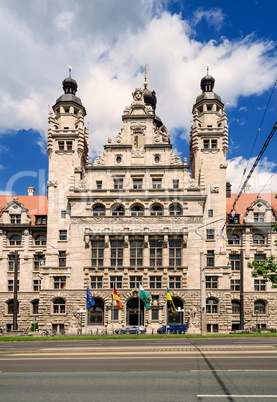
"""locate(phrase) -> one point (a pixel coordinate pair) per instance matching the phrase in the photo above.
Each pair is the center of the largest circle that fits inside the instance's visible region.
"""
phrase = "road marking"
(40, 357)
(236, 396)
(234, 370)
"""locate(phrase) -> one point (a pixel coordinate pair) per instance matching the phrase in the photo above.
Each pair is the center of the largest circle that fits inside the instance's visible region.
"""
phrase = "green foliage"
(267, 269)
(34, 326)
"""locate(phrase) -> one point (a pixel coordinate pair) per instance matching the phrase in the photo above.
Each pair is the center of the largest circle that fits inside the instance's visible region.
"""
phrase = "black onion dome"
(150, 98)
(207, 83)
(70, 86)
(157, 121)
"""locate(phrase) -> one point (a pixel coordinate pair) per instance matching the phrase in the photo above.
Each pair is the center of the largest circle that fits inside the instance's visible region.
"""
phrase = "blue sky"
(108, 43)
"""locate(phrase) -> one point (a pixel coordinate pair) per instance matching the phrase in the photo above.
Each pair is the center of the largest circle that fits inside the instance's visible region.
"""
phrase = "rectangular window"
(136, 252)
(137, 184)
(63, 235)
(135, 281)
(175, 282)
(156, 183)
(213, 144)
(63, 214)
(117, 253)
(212, 327)
(235, 262)
(41, 220)
(59, 282)
(155, 282)
(69, 146)
(211, 282)
(10, 285)
(15, 219)
(175, 183)
(118, 184)
(259, 217)
(36, 285)
(259, 257)
(96, 282)
(97, 253)
(156, 252)
(11, 262)
(210, 258)
(259, 285)
(39, 260)
(233, 218)
(99, 185)
(155, 314)
(210, 234)
(61, 145)
(206, 144)
(116, 281)
(235, 285)
(114, 314)
(210, 213)
(62, 259)
(175, 252)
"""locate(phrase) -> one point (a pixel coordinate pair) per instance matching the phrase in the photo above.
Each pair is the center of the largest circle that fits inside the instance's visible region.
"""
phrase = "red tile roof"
(36, 204)
(247, 199)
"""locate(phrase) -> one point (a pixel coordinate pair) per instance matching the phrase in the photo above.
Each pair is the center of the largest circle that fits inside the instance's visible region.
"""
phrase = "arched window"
(258, 239)
(233, 239)
(117, 210)
(211, 305)
(235, 306)
(59, 306)
(99, 210)
(259, 307)
(137, 210)
(175, 209)
(35, 304)
(10, 305)
(40, 240)
(156, 210)
(15, 240)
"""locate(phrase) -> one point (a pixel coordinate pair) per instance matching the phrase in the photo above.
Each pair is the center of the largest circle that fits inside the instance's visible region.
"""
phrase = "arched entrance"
(175, 318)
(96, 313)
(135, 312)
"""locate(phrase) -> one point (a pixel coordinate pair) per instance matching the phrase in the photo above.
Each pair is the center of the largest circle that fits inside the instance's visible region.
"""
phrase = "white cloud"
(263, 179)
(108, 43)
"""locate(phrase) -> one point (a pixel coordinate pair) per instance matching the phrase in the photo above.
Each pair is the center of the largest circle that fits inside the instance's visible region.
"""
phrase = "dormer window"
(15, 219)
(41, 220)
(259, 217)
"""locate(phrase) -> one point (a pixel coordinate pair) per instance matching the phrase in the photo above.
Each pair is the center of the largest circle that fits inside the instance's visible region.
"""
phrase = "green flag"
(144, 296)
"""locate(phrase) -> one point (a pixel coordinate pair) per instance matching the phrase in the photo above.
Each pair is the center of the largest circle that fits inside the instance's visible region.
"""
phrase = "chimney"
(228, 189)
(247, 188)
(31, 190)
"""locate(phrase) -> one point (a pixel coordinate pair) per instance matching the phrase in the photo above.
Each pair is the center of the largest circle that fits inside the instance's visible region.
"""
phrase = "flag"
(169, 298)
(90, 299)
(117, 299)
(144, 296)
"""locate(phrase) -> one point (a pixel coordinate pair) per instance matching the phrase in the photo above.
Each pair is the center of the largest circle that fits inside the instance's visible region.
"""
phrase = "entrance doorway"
(135, 312)
(178, 317)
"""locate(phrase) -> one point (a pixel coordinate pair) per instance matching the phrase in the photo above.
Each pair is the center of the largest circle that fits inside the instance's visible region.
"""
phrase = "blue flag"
(90, 299)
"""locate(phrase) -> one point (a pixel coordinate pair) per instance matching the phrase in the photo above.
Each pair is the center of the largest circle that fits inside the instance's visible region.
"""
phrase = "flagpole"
(113, 312)
(138, 308)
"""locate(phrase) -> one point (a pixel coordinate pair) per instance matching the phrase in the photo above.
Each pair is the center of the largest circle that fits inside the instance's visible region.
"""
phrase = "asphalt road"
(237, 369)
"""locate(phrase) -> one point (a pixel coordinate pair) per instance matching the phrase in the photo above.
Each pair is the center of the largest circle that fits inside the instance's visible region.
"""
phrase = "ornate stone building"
(137, 215)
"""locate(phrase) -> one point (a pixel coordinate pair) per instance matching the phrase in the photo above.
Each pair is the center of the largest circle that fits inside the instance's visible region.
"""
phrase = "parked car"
(134, 329)
(173, 329)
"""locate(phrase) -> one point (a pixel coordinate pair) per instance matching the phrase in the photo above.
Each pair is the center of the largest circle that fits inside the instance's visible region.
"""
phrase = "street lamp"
(256, 312)
(81, 311)
(180, 311)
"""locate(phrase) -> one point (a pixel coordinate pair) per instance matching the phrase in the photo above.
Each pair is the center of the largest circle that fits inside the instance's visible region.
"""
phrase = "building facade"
(138, 215)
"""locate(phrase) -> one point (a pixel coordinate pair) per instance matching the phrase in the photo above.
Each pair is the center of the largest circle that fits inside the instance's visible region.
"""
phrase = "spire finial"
(208, 66)
(145, 75)
(69, 69)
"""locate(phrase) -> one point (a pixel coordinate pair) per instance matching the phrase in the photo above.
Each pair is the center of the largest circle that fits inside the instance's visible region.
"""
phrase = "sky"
(108, 43)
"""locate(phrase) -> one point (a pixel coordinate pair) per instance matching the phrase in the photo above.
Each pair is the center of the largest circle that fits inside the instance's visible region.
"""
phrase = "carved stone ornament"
(100, 160)
(82, 184)
(192, 183)
(118, 139)
(148, 109)
(137, 95)
(215, 188)
(223, 166)
(161, 135)
(52, 183)
(175, 159)
(128, 110)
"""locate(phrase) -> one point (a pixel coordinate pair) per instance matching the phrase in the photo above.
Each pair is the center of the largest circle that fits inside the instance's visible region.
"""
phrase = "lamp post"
(180, 311)
(256, 312)
(81, 311)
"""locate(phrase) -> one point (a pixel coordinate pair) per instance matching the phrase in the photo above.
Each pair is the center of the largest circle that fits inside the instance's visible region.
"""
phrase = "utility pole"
(203, 295)
(15, 302)
(241, 317)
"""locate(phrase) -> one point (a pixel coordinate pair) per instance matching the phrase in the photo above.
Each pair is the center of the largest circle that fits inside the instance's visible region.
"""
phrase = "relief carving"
(101, 160)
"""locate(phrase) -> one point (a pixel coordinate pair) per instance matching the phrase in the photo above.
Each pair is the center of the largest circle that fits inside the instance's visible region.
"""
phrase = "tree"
(267, 268)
